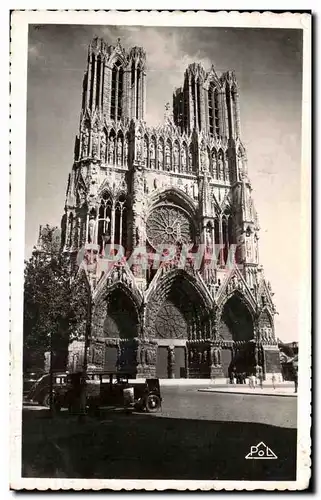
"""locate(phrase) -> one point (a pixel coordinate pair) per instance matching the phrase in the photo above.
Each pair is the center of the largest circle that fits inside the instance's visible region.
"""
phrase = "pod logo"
(261, 452)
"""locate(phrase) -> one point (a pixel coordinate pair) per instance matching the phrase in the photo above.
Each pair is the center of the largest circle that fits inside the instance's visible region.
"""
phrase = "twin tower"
(183, 182)
(115, 84)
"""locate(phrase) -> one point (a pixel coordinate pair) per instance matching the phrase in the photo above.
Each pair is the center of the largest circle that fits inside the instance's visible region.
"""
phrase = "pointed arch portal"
(236, 329)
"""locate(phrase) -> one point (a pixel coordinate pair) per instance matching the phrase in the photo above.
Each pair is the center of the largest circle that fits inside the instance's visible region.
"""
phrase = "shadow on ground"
(141, 446)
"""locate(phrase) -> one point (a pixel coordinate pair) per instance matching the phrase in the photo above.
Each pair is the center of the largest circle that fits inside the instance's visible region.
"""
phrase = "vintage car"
(103, 389)
(40, 389)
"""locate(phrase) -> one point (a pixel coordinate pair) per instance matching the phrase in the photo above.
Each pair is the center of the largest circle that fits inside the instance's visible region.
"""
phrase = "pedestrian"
(251, 381)
(261, 380)
(273, 380)
(295, 373)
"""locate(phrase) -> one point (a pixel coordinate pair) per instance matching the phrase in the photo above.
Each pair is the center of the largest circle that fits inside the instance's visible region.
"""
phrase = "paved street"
(196, 436)
(187, 402)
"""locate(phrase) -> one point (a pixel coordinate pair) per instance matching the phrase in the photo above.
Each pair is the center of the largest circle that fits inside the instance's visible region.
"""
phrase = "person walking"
(295, 376)
(273, 380)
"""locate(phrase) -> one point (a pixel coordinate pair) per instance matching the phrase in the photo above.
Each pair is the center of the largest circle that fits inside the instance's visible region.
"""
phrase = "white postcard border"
(19, 47)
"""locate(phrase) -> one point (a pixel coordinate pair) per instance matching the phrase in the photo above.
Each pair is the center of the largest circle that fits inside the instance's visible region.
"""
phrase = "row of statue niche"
(110, 150)
(190, 189)
(147, 355)
(217, 163)
(179, 157)
(199, 357)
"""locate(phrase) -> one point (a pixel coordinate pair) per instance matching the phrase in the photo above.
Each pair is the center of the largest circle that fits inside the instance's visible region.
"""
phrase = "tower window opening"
(216, 113)
(198, 104)
(116, 91)
(98, 75)
(93, 63)
(137, 91)
(120, 93)
(210, 110)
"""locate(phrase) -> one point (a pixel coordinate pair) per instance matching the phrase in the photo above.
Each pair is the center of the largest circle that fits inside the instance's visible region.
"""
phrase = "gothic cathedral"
(182, 185)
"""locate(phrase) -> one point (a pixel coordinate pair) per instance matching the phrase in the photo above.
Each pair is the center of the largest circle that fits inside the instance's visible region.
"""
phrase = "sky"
(268, 67)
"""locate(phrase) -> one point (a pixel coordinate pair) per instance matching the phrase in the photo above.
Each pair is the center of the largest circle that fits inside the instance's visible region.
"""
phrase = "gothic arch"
(236, 319)
(117, 315)
(175, 196)
(178, 307)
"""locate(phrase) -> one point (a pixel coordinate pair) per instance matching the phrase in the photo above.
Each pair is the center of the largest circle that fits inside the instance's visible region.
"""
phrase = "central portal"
(180, 318)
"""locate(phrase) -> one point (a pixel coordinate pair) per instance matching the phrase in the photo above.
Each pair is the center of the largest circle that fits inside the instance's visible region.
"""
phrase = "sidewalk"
(267, 390)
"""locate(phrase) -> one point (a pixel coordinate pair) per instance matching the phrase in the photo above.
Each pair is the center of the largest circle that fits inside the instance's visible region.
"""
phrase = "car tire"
(46, 400)
(153, 403)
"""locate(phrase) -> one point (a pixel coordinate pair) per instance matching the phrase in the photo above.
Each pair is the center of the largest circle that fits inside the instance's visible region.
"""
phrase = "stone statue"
(220, 167)
(190, 160)
(111, 149)
(152, 154)
(145, 153)
(160, 157)
(119, 151)
(103, 146)
(167, 157)
(214, 163)
(204, 159)
(92, 229)
(208, 237)
(176, 158)
(126, 151)
(85, 143)
(183, 158)
(138, 146)
(95, 143)
(155, 183)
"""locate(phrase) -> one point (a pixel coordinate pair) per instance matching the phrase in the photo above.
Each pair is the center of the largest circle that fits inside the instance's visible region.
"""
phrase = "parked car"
(40, 390)
(29, 379)
(109, 389)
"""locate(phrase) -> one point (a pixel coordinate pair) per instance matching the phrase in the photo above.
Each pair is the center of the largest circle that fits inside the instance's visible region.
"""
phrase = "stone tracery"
(119, 193)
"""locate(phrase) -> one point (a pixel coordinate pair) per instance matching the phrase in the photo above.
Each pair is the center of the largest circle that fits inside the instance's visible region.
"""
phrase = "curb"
(254, 393)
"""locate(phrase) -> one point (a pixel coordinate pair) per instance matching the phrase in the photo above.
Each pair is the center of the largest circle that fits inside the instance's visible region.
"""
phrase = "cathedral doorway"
(120, 329)
(180, 318)
(237, 332)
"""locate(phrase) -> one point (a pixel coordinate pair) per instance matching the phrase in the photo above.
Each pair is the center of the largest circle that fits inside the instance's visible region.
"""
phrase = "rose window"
(169, 224)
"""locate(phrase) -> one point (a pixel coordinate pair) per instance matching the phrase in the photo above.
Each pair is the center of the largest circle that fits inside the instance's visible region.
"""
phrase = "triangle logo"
(261, 452)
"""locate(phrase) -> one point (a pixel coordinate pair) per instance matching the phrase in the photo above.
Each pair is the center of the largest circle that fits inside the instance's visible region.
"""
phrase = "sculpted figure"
(103, 146)
(91, 229)
(160, 157)
(111, 150)
(119, 151)
(85, 144)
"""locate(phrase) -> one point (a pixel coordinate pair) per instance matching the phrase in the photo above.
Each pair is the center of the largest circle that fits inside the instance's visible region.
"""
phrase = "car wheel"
(153, 403)
(46, 400)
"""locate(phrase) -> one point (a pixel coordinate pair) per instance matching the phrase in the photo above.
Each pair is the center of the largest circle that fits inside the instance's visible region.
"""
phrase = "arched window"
(104, 221)
(216, 113)
(116, 91)
(213, 111)
(138, 82)
(196, 102)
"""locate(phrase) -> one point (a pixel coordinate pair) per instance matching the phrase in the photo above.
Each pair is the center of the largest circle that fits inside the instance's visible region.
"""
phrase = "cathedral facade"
(162, 223)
